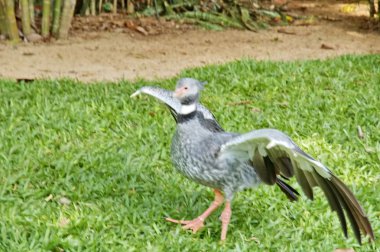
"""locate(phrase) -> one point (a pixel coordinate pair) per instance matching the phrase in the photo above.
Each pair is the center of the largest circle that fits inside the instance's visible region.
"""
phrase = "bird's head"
(187, 90)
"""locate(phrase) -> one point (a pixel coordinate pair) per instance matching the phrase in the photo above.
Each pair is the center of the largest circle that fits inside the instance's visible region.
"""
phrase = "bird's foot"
(194, 225)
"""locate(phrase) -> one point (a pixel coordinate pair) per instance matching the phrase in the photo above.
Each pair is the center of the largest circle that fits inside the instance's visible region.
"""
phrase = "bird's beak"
(178, 93)
(135, 93)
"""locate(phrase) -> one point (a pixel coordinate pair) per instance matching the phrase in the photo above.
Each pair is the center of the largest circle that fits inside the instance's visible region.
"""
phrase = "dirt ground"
(165, 48)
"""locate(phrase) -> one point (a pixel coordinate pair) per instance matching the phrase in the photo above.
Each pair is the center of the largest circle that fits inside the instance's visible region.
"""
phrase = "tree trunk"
(93, 8)
(130, 7)
(67, 15)
(114, 9)
(25, 17)
(31, 13)
(56, 17)
(11, 21)
(122, 6)
(372, 9)
(85, 6)
(3, 20)
(100, 6)
(45, 25)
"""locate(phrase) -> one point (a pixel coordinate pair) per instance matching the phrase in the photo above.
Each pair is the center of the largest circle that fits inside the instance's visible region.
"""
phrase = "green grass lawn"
(109, 155)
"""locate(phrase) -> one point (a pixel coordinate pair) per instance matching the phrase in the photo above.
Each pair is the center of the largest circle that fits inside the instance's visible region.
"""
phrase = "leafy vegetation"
(55, 19)
(221, 14)
(56, 16)
(43, 19)
(86, 168)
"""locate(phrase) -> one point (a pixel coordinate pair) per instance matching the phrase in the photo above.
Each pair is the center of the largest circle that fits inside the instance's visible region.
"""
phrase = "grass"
(109, 156)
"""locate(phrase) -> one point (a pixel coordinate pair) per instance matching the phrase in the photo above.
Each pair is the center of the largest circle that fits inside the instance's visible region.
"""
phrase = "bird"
(231, 162)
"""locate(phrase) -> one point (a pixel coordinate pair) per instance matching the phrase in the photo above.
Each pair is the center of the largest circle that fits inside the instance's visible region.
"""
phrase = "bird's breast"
(195, 154)
(195, 160)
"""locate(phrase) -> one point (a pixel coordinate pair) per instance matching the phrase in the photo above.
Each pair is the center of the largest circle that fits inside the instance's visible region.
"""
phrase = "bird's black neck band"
(182, 118)
(189, 99)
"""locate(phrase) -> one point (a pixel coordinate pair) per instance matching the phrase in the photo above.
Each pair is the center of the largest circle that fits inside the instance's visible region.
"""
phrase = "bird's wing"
(272, 154)
(174, 105)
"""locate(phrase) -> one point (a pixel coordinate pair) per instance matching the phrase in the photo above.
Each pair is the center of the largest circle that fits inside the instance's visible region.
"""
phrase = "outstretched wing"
(174, 105)
(272, 154)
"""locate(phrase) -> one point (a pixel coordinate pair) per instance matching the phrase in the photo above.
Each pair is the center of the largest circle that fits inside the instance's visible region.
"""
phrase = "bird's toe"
(194, 225)
(182, 222)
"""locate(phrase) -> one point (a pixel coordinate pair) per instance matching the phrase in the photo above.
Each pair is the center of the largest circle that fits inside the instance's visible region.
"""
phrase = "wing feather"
(310, 179)
(289, 191)
(332, 200)
(354, 205)
(302, 180)
(273, 154)
(349, 212)
(262, 170)
(285, 166)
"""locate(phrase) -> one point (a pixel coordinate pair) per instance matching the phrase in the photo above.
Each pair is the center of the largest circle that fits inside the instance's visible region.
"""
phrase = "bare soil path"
(115, 55)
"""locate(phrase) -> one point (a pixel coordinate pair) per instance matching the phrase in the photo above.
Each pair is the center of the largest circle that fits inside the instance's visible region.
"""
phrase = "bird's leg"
(197, 223)
(225, 217)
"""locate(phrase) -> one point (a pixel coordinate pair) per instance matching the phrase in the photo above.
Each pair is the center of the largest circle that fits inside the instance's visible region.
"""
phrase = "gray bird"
(229, 162)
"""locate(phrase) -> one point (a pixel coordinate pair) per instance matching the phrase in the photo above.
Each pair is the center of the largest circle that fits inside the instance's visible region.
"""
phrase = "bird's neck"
(187, 112)
(187, 109)
(181, 119)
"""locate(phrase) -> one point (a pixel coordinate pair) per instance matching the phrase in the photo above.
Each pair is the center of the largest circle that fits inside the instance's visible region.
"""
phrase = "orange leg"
(197, 223)
(225, 217)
